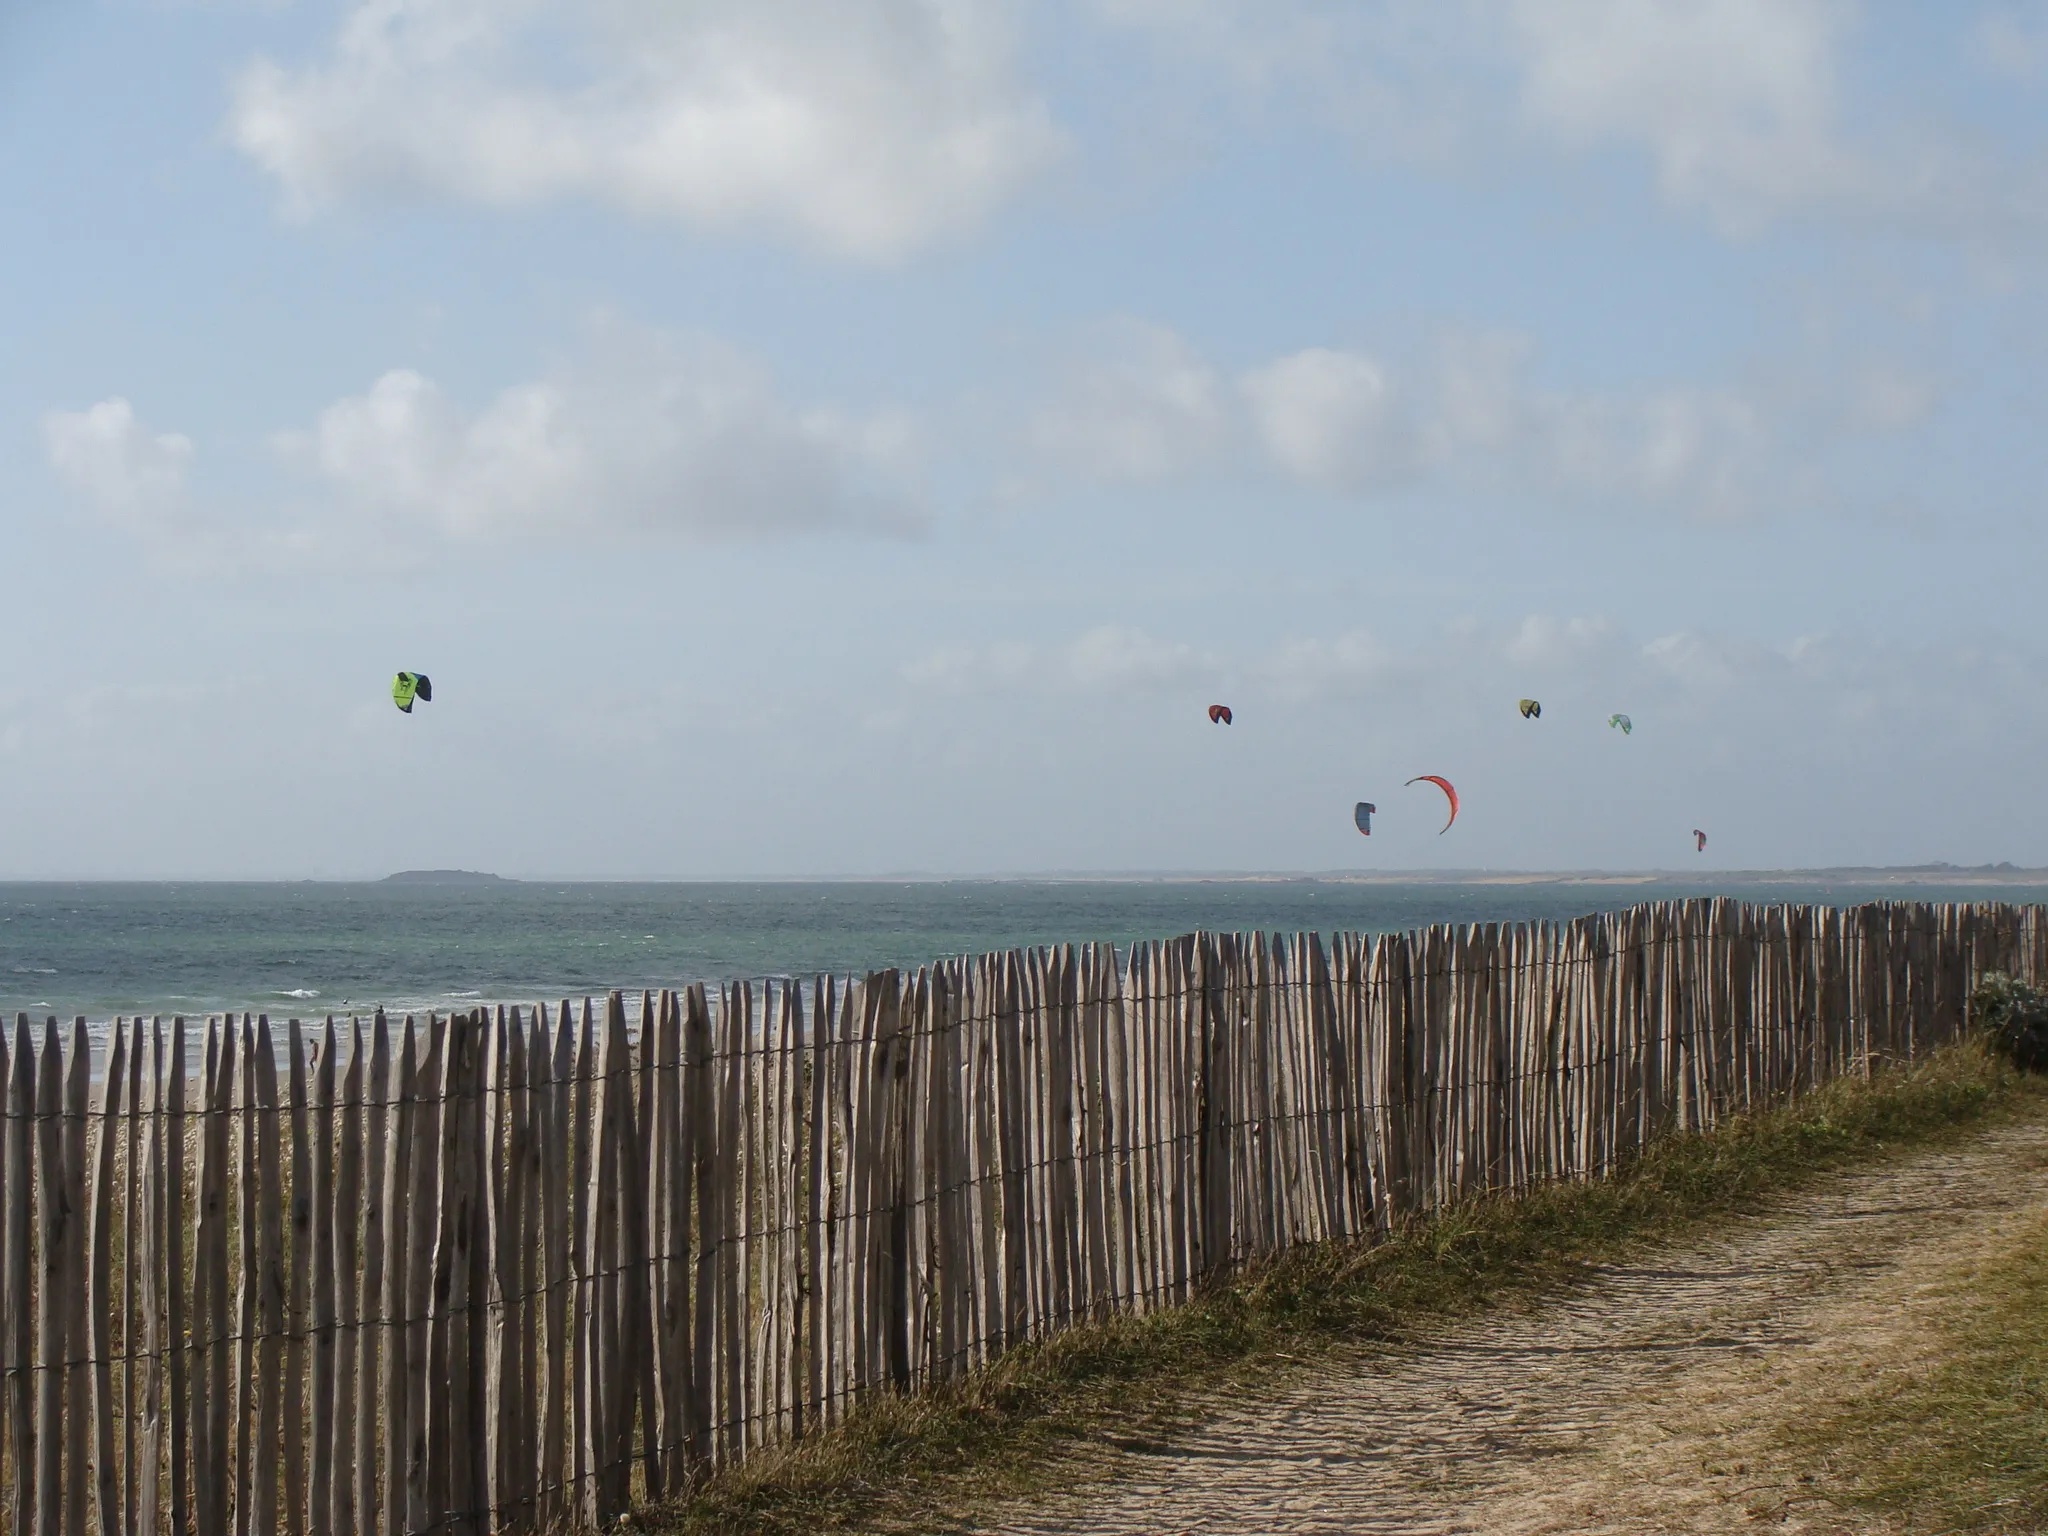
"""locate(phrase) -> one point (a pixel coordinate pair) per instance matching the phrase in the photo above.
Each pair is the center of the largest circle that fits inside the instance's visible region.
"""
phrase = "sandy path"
(1641, 1404)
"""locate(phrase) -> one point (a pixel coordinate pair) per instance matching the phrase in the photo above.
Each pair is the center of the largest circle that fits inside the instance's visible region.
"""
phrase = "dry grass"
(1049, 1413)
(1957, 1438)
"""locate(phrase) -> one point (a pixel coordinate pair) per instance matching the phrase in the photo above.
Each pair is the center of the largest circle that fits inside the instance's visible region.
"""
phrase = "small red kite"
(1449, 794)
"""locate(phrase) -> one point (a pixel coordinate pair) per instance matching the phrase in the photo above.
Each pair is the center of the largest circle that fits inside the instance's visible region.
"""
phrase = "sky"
(847, 437)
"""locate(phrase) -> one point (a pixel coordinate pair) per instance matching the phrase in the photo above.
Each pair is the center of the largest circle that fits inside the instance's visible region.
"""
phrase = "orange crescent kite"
(1450, 794)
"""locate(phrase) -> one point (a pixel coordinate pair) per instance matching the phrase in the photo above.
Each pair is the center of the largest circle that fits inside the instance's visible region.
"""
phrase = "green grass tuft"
(1048, 1412)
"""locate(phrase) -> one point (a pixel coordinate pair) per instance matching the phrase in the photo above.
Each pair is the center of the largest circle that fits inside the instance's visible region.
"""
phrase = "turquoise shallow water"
(309, 949)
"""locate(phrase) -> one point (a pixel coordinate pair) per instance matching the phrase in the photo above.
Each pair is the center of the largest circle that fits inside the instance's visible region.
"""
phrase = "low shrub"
(2015, 1016)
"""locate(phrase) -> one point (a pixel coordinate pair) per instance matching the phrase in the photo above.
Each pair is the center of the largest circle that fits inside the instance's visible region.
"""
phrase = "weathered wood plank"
(508, 1447)
(345, 1223)
(701, 1117)
(583, 1314)
(99, 1300)
(446, 1396)
(9, 1480)
(176, 1315)
(320, 1483)
(372, 1511)
(211, 1476)
(150, 1274)
(729, 1247)
(293, 1323)
(669, 1232)
(53, 1222)
(244, 1262)
(9, 1490)
(637, 1337)
(273, 1287)
(135, 1135)
(759, 1283)
(19, 1343)
(459, 1490)
(556, 1059)
(526, 1435)
(423, 1158)
(70, 1295)
(818, 1247)
(736, 1127)
(397, 1375)
(597, 1319)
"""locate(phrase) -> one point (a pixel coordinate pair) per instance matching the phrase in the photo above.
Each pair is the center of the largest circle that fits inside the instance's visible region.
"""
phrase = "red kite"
(1219, 714)
(1449, 794)
(1701, 838)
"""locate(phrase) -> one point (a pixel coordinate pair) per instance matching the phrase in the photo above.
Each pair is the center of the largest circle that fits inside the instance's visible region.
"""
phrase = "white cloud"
(1885, 397)
(105, 454)
(644, 434)
(962, 670)
(1404, 80)
(1703, 449)
(1258, 43)
(1735, 100)
(1710, 452)
(1544, 641)
(2012, 41)
(1121, 659)
(1698, 661)
(1748, 111)
(1140, 403)
(1814, 687)
(1109, 659)
(1691, 684)
(1144, 404)
(1331, 418)
(868, 126)
(1320, 666)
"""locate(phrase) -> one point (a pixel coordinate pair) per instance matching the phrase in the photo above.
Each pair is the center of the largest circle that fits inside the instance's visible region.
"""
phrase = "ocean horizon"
(1939, 871)
(310, 948)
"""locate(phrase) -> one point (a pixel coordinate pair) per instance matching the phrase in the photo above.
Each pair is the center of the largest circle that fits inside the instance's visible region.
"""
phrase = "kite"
(1625, 724)
(408, 686)
(1531, 710)
(1701, 839)
(1219, 714)
(1449, 793)
(1363, 816)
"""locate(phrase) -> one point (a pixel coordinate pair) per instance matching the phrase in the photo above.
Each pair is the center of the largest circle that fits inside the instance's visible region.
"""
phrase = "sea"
(309, 950)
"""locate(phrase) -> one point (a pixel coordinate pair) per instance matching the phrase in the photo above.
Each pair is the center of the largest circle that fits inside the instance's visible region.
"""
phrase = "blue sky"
(851, 436)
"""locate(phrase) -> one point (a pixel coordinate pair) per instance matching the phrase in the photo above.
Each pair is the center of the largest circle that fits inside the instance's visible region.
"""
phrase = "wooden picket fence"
(515, 1271)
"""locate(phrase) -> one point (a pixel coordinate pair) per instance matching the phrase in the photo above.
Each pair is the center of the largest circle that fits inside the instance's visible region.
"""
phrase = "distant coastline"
(1849, 874)
(1864, 875)
(445, 877)
(1960, 875)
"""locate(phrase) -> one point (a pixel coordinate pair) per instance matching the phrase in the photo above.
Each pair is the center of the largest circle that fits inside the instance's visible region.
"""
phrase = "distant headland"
(445, 877)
